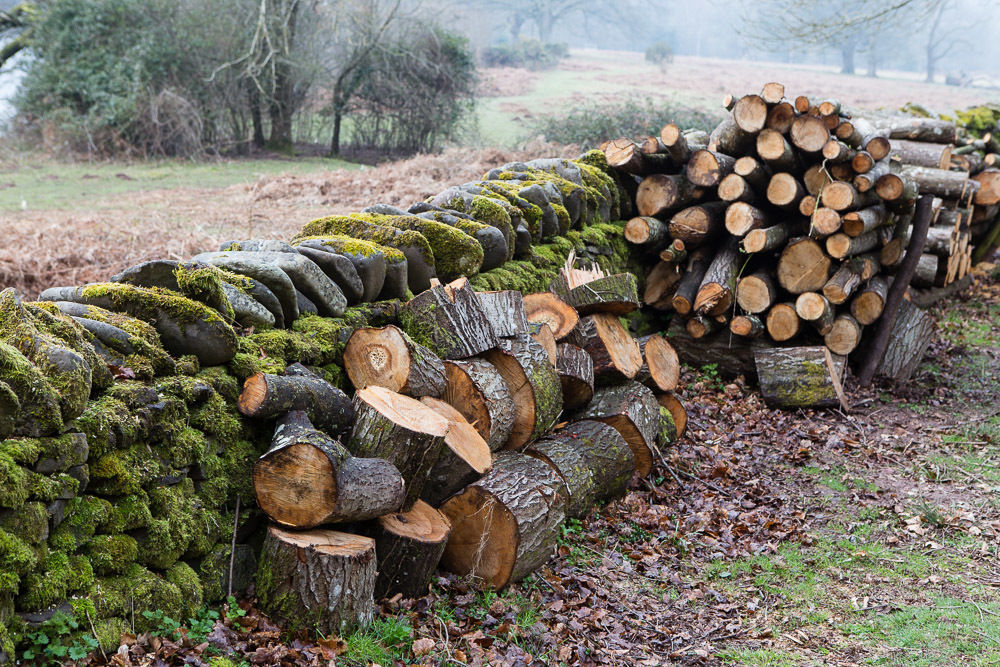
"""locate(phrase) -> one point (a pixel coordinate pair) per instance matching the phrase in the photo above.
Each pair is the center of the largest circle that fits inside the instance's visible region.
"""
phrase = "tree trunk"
(477, 389)
(616, 294)
(318, 579)
(505, 525)
(632, 410)
(464, 458)
(911, 334)
(868, 304)
(253, 95)
(387, 357)
(847, 49)
(409, 546)
(265, 395)
(505, 312)
(576, 374)
(803, 266)
(615, 354)
(799, 377)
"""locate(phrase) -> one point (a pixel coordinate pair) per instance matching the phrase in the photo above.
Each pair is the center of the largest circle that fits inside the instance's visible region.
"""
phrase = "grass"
(37, 183)
(383, 642)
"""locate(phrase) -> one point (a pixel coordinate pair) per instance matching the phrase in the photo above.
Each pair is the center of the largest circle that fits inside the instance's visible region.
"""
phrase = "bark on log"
(661, 367)
(803, 266)
(632, 410)
(774, 149)
(265, 395)
(387, 357)
(718, 288)
(922, 154)
(911, 334)
(809, 134)
(648, 232)
(401, 430)
(449, 320)
(409, 546)
(660, 193)
(844, 336)
(750, 113)
(799, 377)
(593, 460)
(534, 385)
(677, 411)
(675, 143)
(728, 138)
(742, 218)
(841, 284)
(505, 311)
(615, 354)
(320, 579)
(464, 458)
(769, 238)
(867, 219)
(813, 307)
(617, 294)
(706, 168)
(756, 293)
(840, 246)
(687, 288)
(749, 326)
(868, 304)
(576, 375)
(477, 389)
(941, 182)
(733, 355)
(548, 308)
(307, 478)
(542, 334)
(697, 224)
(922, 129)
(505, 525)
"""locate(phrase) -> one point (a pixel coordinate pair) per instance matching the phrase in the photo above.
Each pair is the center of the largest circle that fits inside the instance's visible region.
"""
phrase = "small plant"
(383, 642)
(58, 640)
(525, 53)
(712, 377)
(930, 513)
(659, 53)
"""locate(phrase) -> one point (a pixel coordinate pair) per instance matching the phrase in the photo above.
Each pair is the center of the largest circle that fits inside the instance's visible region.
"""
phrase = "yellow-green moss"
(108, 424)
(24, 451)
(129, 512)
(150, 358)
(48, 584)
(204, 283)
(71, 333)
(455, 253)
(30, 522)
(186, 580)
(82, 516)
(16, 560)
(340, 243)
(137, 590)
(111, 554)
(123, 472)
(187, 365)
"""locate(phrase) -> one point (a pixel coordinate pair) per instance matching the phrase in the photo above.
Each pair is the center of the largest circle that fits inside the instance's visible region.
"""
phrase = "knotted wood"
(387, 357)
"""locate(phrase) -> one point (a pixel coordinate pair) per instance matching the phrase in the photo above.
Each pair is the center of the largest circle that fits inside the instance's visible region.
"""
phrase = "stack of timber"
(786, 224)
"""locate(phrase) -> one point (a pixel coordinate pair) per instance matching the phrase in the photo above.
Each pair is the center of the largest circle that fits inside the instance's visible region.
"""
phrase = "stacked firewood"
(789, 220)
(476, 427)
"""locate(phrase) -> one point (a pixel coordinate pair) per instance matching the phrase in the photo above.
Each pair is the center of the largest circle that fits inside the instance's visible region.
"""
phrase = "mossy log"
(547, 308)
(534, 385)
(593, 459)
(615, 354)
(464, 458)
(632, 410)
(409, 546)
(678, 413)
(477, 389)
(369, 259)
(799, 377)
(617, 294)
(265, 395)
(505, 525)
(505, 311)
(320, 579)
(576, 375)
(387, 357)
(307, 479)
(449, 320)
(401, 430)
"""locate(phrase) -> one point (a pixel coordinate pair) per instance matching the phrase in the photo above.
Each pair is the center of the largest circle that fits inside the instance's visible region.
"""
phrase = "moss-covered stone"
(186, 580)
(188, 365)
(40, 412)
(23, 451)
(111, 554)
(48, 318)
(50, 487)
(133, 592)
(81, 575)
(82, 517)
(48, 584)
(455, 253)
(30, 522)
(17, 559)
(218, 418)
(203, 283)
(225, 384)
(124, 472)
(149, 359)
(59, 453)
(129, 512)
(109, 424)
(109, 631)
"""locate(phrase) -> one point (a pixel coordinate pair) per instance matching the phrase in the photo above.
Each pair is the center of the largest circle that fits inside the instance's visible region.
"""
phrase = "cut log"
(989, 187)
(615, 354)
(922, 129)
(477, 390)
(809, 134)
(699, 327)
(576, 374)
(548, 308)
(505, 525)
(741, 218)
(785, 191)
(756, 293)
(534, 385)
(449, 320)
(840, 246)
(593, 460)
(753, 172)
(750, 113)
(860, 222)
(824, 222)
(941, 182)
(675, 253)
(732, 355)
(783, 322)
(813, 307)
(707, 168)
(647, 232)
(387, 357)
(774, 149)
(673, 404)
(893, 187)
(735, 188)
(844, 336)
(842, 284)
(837, 151)
(863, 163)
(687, 288)
(674, 142)
(307, 479)
(728, 138)
(815, 178)
(265, 395)
(842, 196)
(317, 579)
(930, 271)
(718, 288)
(464, 458)
(807, 205)
(868, 304)
(660, 193)
(661, 285)
(409, 546)
(799, 377)
(922, 154)
(697, 224)
(542, 334)
(780, 117)
(803, 266)
(661, 368)
(617, 294)
(911, 334)
(773, 92)
(632, 410)
(762, 240)
(505, 311)
(749, 326)
(401, 430)
(626, 156)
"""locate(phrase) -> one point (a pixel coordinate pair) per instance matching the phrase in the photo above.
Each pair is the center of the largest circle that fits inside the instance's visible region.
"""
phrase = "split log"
(548, 308)
(813, 307)
(718, 287)
(922, 154)
(868, 304)
(647, 232)
(782, 322)
(505, 525)
(677, 410)
(632, 410)
(615, 354)
(660, 363)
(593, 460)
(576, 374)
(660, 193)
(505, 312)
(661, 285)
(706, 168)
(803, 266)
(477, 389)
(697, 224)
(989, 187)
(265, 395)
(845, 335)
(387, 357)
(687, 288)
(409, 546)
(534, 385)
(464, 458)
(799, 377)
(841, 284)
(742, 218)
(756, 293)
(449, 320)
(911, 334)
(317, 579)
(868, 219)
(307, 478)
(749, 326)
(617, 294)
(762, 240)
(542, 334)
(401, 430)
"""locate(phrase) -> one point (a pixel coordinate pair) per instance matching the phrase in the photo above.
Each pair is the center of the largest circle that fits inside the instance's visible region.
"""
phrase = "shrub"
(525, 53)
(659, 53)
(590, 124)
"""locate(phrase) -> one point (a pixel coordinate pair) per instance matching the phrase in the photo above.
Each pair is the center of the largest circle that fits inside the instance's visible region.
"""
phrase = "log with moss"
(449, 321)
(387, 357)
(265, 395)
(799, 377)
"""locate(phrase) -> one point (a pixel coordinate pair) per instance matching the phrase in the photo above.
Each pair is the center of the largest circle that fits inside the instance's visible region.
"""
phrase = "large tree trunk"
(464, 458)
(912, 332)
